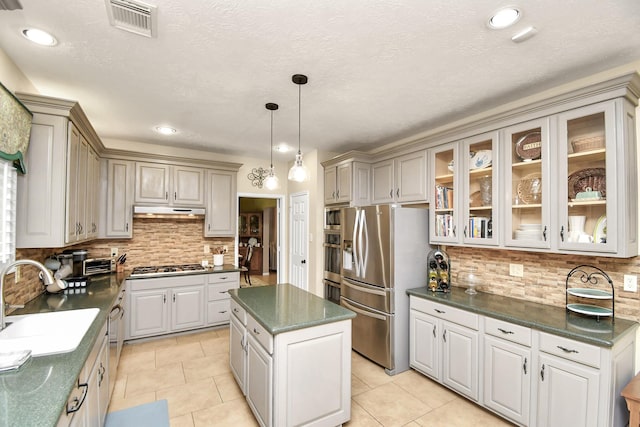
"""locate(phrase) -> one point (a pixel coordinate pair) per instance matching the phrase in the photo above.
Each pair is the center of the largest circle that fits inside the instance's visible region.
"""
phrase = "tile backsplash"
(156, 241)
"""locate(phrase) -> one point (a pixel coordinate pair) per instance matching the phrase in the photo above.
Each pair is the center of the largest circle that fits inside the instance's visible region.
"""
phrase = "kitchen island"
(290, 352)
(36, 394)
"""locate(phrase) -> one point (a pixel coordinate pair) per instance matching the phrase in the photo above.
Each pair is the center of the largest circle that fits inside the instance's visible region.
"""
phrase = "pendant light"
(298, 171)
(271, 181)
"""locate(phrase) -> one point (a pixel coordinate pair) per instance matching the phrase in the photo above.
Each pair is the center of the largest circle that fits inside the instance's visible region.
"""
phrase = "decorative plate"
(590, 293)
(600, 230)
(530, 189)
(590, 310)
(480, 160)
(593, 178)
(529, 147)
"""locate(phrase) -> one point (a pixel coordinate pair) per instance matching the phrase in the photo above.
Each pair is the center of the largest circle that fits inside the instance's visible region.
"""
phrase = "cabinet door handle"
(567, 350)
(544, 233)
(174, 297)
(562, 233)
(222, 312)
(166, 195)
(209, 227)
(439, 311)
(524, 367)
(391, 193)
(235, 310)
(338, 194)
(175, 195)
(126, 227)
(434, 331)
(542, 373)
(444, 335)
(164, 299)
(504, 331)
(465, 231)
(77, 403)
(223, 292)
(398, 192)
(454, 231)
(255, 331)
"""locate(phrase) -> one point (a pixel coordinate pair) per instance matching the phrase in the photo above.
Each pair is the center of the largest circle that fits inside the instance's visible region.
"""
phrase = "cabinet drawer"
(218, 311)
(232, 277)
(219, 291)
(239, 312)
(446, 312)
(260, 334)
(508, 331)
(569, 349)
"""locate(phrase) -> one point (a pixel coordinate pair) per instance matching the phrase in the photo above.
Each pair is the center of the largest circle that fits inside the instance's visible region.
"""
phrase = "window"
(8, 184)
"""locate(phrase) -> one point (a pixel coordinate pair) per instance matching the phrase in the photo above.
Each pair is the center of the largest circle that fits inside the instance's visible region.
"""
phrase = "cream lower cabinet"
(218, 285)
(508, 369)
(529, 377)
(444, 345)
(164, 305)
(279, 374)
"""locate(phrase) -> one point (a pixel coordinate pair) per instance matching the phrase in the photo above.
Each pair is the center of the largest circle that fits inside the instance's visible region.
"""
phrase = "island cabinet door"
(259, 382)
(567, 393)
(312, 376)
(460, 359)
(237, 352)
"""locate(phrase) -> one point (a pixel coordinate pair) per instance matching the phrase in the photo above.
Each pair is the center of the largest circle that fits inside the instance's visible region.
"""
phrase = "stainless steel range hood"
(167, 211)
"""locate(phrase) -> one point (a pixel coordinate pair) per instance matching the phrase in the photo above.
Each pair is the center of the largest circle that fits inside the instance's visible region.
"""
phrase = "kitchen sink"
(47, 333)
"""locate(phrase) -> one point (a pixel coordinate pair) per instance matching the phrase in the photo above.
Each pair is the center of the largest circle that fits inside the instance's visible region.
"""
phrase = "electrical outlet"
(114, 252)
(225, 249)
(630, 283)
(207, 249)
(516, 270)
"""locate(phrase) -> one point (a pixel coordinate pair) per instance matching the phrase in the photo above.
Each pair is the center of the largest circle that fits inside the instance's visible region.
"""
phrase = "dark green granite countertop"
(546, 318)
(284, 307)
(36, 394)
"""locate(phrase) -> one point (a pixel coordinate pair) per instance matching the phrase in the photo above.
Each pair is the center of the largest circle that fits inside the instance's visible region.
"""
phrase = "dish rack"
(593, 277)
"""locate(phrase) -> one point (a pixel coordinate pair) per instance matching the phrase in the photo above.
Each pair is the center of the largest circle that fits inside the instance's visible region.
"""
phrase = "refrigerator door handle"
(354, 243)
(365, 251)
(363, 312)
(363, 288)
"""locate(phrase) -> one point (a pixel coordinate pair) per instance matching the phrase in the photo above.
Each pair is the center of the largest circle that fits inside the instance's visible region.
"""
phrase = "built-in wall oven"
(332, 254)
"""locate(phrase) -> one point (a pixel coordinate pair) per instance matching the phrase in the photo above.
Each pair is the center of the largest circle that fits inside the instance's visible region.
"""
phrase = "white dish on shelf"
(600, 230)
(480, 160)
(590, 310)
(590, 293)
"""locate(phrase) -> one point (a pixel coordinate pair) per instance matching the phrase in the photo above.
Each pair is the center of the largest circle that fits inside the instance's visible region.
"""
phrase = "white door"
(299, 240)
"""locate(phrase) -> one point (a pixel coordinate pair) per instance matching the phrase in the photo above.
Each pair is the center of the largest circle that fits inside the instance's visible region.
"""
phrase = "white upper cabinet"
(221, 214)
(56, 197)
(163, 184)
(445, 169)
(402, 179)
(119, 200)
(347, 183)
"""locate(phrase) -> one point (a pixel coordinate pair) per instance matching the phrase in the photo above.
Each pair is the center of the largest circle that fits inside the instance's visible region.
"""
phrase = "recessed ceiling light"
(504, 18)
(40, 37)
(165, 130)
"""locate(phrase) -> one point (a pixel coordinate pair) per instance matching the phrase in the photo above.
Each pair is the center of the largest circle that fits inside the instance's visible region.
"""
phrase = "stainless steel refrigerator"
(384, 253)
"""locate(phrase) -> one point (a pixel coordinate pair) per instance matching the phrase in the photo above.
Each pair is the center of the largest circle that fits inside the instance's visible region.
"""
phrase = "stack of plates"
(529, 232)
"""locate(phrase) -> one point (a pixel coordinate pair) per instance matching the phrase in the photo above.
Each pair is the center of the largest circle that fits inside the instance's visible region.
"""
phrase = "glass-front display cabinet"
(528, 180)
(444, 168)
(587, 147)
(481, 184)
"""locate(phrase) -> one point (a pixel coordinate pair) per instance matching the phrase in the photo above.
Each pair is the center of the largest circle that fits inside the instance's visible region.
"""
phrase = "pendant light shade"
(271, 181)
(298, 171)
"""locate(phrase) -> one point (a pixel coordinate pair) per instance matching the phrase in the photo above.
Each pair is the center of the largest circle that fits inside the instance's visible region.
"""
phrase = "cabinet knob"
(255, 331)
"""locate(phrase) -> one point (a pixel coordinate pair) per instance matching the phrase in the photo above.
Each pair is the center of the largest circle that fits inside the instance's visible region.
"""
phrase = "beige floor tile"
(210, 366)
(235, 413)
(148, 380)
(368, 372)
(412, 424)
(134, 362)
(223, 332)
(196, 336)
(119, 403)
(391, 405)
(460, 412)
(182, 421)
(119, 388)
(361, 418)
(227, 387)
(215, 345)
(423, 388)
(178, 353)
(184, 399)
(358, 386)
(151, 344)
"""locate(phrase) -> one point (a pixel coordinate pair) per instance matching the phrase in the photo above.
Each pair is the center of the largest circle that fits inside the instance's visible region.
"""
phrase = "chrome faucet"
(46, 277)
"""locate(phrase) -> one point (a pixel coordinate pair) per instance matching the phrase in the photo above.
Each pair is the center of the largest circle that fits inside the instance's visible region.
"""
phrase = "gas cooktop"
(166, 270)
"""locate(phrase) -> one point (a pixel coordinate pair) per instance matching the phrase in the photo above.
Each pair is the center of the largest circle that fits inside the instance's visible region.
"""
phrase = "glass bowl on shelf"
(468, 280)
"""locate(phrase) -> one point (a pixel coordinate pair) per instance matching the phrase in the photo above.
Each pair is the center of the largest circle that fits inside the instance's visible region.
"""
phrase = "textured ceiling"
(379, 70)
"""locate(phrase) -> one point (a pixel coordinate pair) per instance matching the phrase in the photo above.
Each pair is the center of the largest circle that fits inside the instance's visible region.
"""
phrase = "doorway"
(259, 237)
(299, 205)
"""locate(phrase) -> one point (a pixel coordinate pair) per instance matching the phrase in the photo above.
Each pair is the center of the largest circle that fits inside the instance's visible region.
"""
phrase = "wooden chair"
(247, 265)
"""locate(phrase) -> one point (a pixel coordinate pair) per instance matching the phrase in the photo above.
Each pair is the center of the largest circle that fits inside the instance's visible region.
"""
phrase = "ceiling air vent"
(135, 17)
